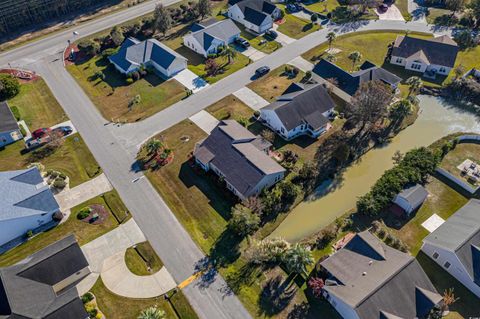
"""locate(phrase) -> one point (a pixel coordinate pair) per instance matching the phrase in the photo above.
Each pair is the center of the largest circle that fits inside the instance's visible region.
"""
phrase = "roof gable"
(7, 120)
(254, 16)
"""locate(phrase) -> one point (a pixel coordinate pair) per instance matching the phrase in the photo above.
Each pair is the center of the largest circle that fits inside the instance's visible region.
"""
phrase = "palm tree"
(152, 313)
(331, 37)
(297, 258)
(400, 110)
(153, 146)
(415, 83)
(230, 53)
(448, 299)
(330, 58)
(355, 56)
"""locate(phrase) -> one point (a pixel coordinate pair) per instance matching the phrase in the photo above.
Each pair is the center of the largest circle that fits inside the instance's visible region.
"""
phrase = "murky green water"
(436, 119)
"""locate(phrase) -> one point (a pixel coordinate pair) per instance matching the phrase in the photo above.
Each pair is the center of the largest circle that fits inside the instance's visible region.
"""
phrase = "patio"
(471, 171)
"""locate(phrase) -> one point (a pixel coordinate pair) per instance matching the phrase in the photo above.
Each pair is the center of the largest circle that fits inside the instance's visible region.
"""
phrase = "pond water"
(334, 198)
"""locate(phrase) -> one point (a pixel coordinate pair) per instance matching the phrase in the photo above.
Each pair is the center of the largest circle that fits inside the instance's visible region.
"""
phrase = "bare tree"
(162, 21)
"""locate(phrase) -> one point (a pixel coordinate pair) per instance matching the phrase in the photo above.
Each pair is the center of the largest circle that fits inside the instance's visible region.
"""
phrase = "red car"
(41, 132)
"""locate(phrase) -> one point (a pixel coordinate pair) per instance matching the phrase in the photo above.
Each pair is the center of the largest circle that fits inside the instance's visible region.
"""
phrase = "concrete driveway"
(204, 120)
(283, 39)
(302, 64)
(393, 13)
(190, 80)
(253, 54)
(250, 98)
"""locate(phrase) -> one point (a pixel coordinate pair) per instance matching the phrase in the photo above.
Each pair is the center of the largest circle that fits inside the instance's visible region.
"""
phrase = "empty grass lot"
(230, 108)
(73, 158)
(274, 83)
(83, 232)
(112, 96)
(296, 27)
(323, 7)
(37, 105)
(142, 256)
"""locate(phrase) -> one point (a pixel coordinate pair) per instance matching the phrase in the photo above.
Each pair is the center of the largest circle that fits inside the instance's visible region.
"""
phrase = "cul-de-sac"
(239, 159)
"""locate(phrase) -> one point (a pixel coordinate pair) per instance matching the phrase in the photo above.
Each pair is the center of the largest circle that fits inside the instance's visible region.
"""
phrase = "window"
(446, 265)
(282, 130)
(399, 60)
(435, 255)
(416, 66)
(442, 70)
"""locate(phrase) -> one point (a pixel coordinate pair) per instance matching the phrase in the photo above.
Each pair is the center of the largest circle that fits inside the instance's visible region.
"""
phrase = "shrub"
(62, 176)
(135, 76)
(389, 239)
(9, 86)
(53, 174)
(256, 114)
(87, 297)
(84, 213)
(381, 233)
(243, 121)
(22, 130)
(59, 183)
(326, 236)
(16, 112)
(29, 234)
(129, 80)
(92, 312)
(108, 52)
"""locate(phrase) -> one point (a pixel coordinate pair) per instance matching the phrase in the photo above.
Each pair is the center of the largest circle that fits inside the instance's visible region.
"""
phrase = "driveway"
(190, 80)
(66, 123)
(204, 120)
(250, 98)
(302, 64)
(253, 54)
(283, 39)
(393, 13)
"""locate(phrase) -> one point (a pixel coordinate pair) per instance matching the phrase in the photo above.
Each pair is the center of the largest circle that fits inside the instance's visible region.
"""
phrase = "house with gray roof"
(27, 203)
(455, 245)
(42, 286)
(206, 37)
(411, 198)
(350, 82)
(427, 56)
(9, 130)
(303, 109)
(133, 54)
(370, 280)
(255, 15)
(240, 158)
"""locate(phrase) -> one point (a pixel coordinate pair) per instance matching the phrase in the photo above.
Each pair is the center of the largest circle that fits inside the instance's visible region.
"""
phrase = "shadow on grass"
(301, 141)
(276, 295)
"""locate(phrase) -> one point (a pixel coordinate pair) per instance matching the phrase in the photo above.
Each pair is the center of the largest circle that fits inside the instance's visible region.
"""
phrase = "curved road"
(115, 147)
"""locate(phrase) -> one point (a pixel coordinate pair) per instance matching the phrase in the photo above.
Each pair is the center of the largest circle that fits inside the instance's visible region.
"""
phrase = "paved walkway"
(253, 54)
(74, 196)
(250, 98)
(302, 64)
(283, 39)
(191, 81)
(393, 14)
(204, 120)
(27, 130)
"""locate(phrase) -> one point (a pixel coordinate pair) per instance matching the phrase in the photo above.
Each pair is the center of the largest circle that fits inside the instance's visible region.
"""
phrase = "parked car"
(64, 130)
(383, 7)
(41, 132)
(270, 34)
(293, 7)
(242, 42)
(261, 71)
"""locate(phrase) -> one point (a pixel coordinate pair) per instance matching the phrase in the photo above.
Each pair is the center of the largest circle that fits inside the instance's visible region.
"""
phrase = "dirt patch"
(98, 215)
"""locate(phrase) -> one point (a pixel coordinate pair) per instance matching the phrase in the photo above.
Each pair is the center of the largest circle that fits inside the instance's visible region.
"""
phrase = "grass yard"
(274, 83)
(112, 96)
(141, 257)
(323, 7)
(402, 5)
(259, 42)
(37, 105)
(296, 28)
(442, 200)
(197, 66)
(230, 107)
(458, 155)
(72, 158)
(83, 232)
(114, 306)
(438, 15)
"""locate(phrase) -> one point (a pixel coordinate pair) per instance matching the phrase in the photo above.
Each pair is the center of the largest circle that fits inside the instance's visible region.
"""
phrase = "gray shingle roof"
(221, 30)
(7, 120)
(21, 197)
(441, 50)
(461, 235)
(26, 287)
(302, 104)
(379, 281)
(264, 6)
(414, 194)
(234, 151)
(134, 52)
(254, 16)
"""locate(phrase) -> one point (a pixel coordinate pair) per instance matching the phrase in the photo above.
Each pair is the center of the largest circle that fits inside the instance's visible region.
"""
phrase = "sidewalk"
(302, 64)
(205, 121)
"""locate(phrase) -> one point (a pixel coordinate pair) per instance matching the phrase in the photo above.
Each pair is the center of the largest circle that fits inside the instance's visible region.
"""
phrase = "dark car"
(242, 42)
(270, 34)
(64, 130)
(41, 132)
(292, 7)
(383, 7)
(261, 71)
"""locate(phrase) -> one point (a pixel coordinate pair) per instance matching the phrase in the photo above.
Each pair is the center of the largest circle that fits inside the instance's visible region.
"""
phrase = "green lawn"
(274, 83)
(230, 107)
(260, 43)
(37, 105)
(114, 306)
(197, 66)
(83, 232)
(458, 155)
(402, 5)
(72, 158)
(323, 7)
(296, 27)
(142, 256)
(112, 96)
(437, 15)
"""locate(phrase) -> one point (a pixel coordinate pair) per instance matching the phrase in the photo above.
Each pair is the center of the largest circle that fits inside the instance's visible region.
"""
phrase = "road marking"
(189, 280)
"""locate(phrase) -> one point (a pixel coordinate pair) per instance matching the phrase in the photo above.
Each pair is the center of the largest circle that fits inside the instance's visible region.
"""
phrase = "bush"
(108, 52)
(135, 76)
(129, 80)
(87, 297)
(22, 130)
(381, 233)
(92, 312)
(29, 234)
(16, 112)
(9, 86)
(59, 183)
(84, 213)
(243, 121)
(256, 114)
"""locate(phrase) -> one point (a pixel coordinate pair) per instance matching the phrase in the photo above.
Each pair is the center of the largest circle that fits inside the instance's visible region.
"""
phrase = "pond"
(334, 198)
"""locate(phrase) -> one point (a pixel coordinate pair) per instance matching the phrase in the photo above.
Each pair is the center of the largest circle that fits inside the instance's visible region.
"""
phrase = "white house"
(134, 54)
(27, 203)
(239, 158)
(303, 109)
(206, 37)
(9, 130)
(427, 56)
(367, 279)
(411, 198)
(455, 245)
(255, 15)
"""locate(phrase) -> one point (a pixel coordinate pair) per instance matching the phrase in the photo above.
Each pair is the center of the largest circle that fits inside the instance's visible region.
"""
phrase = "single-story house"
(411, 198)
(427, 56)
(9, 130)
(239, 158)
(206, 37)
(303, 109)
(255, 15)
(27, 203)
(43, 284)
(350, 82)
(367, 279)
(455, 245)
(133, 54)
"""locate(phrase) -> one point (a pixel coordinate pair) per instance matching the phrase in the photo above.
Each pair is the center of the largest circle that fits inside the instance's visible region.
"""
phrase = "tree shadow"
(276, 295)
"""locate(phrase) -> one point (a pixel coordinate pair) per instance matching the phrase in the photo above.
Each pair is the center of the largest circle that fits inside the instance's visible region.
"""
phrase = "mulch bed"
(100, 211)
(22, 75)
